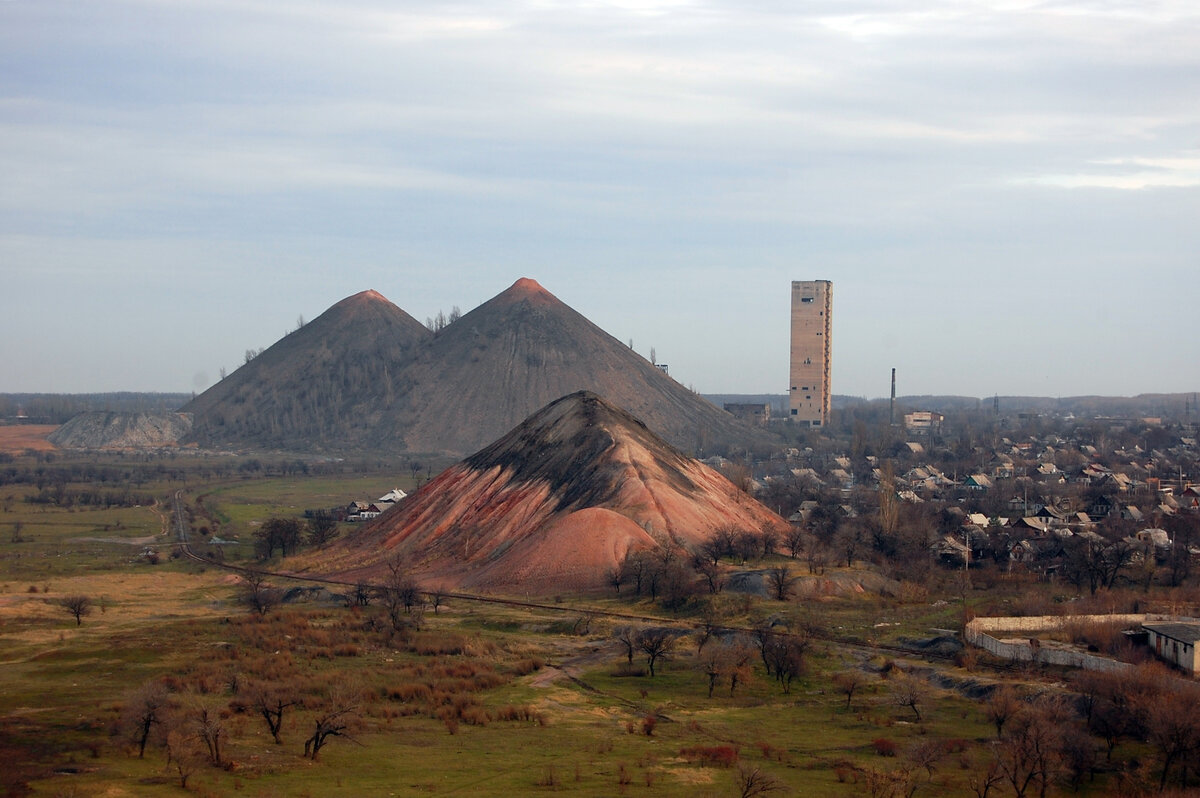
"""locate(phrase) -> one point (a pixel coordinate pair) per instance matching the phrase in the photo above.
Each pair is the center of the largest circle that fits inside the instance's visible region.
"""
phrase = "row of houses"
(365, 511)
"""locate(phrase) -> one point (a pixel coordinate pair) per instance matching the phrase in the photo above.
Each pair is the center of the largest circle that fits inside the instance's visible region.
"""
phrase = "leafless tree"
(769, 539)
(209, 729)
(785, 655)
(322, 528)
(710, 621)
(710, 573)
(628, 637)
(636, 566)
(183, 753)
(849, 682)
(982, 782)
(794, 540)
(76, 605)
(1172, 726)
(1003, 704)
(400, 595)
(656, 644)
(1029, 753)
(338, 719)
(926, 754)
(711, 664)
(17, 526)
(144, 710)
(909, 693)
(256, 594)
(270, 702)
(753, 781)
(781, 582)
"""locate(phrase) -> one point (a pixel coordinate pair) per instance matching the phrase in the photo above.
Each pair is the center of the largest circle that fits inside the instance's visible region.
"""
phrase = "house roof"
(1183, 632)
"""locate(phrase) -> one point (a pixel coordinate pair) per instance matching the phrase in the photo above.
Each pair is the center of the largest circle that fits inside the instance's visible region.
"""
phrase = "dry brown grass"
(27, 437)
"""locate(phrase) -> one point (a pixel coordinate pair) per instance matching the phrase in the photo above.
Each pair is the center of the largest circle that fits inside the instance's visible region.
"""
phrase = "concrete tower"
(812, 323)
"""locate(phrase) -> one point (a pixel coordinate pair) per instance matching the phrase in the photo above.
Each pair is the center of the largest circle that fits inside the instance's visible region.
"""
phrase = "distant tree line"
(50, 408)
(287, 535)
(62, 496)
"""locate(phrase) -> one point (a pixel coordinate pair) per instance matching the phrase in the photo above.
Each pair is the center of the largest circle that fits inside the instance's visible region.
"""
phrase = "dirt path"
(590, 653)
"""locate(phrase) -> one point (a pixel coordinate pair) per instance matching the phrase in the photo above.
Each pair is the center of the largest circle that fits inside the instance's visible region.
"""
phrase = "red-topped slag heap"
(553, 505)
(367, 376)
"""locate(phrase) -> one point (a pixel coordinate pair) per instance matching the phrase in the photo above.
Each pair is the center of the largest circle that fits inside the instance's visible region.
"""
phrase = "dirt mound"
(553, 505)
(101, 430)
(329, 385)
(366, 375)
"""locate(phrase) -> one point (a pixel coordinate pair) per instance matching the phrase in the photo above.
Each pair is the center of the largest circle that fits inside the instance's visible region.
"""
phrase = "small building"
(752, 413)
(924, 421)
(1175, 643)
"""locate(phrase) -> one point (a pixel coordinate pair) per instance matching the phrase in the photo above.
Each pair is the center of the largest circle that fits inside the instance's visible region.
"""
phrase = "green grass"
(63, 685)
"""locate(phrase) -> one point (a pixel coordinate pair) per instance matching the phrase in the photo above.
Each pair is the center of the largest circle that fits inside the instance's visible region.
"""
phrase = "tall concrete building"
(812, 323)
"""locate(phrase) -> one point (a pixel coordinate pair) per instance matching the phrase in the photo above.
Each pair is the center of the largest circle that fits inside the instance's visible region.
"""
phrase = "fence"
(978, 633)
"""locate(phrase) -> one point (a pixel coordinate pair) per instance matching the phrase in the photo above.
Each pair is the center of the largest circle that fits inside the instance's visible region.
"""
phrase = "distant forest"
(1177, 406)
(58, 408)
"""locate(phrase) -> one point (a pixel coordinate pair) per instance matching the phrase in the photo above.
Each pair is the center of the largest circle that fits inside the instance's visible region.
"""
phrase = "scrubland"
(170, 683)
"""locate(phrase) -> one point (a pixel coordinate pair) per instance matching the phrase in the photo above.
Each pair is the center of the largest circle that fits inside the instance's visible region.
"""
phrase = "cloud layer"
(1005, 194)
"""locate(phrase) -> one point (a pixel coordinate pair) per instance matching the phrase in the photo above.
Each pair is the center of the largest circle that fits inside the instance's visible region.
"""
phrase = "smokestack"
(892, 408)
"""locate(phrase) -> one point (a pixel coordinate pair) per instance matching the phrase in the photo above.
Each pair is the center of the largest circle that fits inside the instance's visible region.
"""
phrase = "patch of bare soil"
(588, 654)
(22, 437)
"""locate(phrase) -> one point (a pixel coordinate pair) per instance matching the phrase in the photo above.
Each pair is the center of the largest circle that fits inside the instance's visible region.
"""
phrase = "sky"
(1005, 194)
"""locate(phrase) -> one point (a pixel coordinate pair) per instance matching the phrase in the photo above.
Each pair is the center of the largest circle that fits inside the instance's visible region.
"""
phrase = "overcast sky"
(1006, 195)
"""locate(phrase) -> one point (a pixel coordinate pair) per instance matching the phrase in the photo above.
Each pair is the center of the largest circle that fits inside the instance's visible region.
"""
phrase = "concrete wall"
(979, 631)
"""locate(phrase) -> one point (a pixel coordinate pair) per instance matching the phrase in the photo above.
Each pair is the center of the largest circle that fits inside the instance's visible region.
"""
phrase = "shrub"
(884, 747)
(528, 666)
(721, 756)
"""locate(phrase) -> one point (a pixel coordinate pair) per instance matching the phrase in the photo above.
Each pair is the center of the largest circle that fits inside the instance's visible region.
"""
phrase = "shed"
(1175, 643)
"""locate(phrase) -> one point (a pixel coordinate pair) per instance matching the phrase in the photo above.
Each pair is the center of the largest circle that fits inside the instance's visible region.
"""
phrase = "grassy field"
(474, 699)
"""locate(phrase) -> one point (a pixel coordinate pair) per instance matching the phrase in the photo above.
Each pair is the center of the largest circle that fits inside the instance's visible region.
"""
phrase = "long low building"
(1175, 643)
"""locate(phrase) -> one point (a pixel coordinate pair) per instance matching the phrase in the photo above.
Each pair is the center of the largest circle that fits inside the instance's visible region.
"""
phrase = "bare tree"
(1172, 726)
(17, 526)
(753, 781)
(270, 702)
(849, 682)
(183, 753)
(781, 582)
(711, 619)
(769, 539)
(1029, 752)
(616, 578)
(209, 729)
(144, 710)
(322, 528)
(627, 636)
(711, 574)
(656, 644)
(339, 719)
(910, 693)
(256, 594)
(785, 657)
(1003, 704)
(77, 605)
(400, 594)
(794, 540)
(983, 781)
